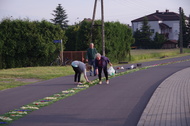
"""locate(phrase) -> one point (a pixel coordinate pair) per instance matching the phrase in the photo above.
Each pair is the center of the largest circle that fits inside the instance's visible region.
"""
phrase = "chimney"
(167, 10)
(157, 11)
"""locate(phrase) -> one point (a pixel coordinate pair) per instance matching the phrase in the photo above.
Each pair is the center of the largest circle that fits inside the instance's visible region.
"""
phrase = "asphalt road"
(120, 103)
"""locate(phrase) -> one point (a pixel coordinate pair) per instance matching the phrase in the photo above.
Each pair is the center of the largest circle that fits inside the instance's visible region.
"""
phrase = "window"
(152, 30)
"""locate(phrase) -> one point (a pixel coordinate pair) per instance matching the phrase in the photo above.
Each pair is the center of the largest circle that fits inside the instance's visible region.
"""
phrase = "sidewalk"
(170, 103)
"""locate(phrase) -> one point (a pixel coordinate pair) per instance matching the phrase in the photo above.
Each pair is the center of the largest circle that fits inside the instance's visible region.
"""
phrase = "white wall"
(173, 35)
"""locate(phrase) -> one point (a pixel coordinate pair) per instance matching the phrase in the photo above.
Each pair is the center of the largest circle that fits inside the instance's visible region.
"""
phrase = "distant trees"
(186, 29)
(28, 43)
(60, 17)
(118, 38)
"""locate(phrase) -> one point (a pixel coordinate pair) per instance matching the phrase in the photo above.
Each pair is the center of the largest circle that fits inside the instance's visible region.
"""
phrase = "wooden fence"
(69, 56)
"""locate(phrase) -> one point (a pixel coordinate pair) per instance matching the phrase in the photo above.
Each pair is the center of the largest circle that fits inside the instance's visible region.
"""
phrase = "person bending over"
(101, 64)
(79, 68)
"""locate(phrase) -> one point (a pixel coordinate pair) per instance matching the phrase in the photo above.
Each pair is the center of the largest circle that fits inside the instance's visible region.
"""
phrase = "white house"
(166, 23)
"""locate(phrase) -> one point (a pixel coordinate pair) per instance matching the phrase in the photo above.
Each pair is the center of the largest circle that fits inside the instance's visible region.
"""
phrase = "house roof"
(164, 26)
(160, 16)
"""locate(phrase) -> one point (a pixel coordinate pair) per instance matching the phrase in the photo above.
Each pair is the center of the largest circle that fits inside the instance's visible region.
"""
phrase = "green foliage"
(143, 36)
(159, 39)
(25, 43)
(83, 36)
(71, 34)
(60, 17)
(186, 30)
(118, 38)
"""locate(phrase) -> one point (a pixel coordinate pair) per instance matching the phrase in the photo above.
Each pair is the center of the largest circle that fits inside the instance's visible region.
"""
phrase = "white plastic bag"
(111, 71)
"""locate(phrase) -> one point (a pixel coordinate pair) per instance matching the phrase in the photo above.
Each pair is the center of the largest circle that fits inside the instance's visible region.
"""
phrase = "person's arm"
(87, 55)
(97, 71)
(109, 61)
(95, 51)
(85, 76)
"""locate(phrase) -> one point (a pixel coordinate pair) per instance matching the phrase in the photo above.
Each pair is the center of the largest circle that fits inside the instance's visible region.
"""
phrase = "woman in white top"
(79, 68)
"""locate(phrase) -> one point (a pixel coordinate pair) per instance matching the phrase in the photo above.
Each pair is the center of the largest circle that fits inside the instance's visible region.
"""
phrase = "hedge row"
(26, 43)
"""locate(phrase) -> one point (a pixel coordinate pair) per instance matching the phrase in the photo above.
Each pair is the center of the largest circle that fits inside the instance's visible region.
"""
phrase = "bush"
(28, 43)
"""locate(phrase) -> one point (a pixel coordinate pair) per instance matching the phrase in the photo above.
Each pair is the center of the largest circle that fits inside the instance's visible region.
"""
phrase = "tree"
(24, 43)
(118, 38)
(159, 39)
(137, 35)
(146, 33)
(188, 31)
(60, 17)
(143, 36)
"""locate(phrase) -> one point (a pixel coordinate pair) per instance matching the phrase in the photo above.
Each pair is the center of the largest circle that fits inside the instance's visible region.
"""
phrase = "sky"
(123, 11)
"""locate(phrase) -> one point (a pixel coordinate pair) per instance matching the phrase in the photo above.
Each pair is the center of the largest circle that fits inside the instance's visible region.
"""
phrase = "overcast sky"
(114, 10)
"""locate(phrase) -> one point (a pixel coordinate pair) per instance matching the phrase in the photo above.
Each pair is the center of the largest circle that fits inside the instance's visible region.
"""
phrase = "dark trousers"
(77, 74)
(100, 72)
(92, 63)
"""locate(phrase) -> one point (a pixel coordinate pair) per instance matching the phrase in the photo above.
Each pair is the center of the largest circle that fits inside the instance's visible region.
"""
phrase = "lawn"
(15, 77)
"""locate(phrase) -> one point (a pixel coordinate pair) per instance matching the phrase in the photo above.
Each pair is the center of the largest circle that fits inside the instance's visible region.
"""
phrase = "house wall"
(173, 35)
(153, 26)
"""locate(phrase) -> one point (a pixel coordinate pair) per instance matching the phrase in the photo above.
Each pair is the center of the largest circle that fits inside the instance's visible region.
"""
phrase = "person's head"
(88, 67)
(98, 56)
(91, 45)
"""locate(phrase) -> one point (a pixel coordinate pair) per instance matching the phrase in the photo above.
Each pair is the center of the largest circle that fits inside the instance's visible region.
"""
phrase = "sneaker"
(100, 82)
(107, 82)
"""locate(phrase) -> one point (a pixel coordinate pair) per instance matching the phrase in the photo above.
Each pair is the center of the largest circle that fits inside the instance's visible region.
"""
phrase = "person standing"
(90, 57)
(101, 64)
(79, 68)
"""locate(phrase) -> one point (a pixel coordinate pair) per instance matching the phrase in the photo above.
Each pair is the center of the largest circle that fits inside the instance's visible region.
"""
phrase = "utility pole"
(181, 31)
(103, 32)
(93, 18)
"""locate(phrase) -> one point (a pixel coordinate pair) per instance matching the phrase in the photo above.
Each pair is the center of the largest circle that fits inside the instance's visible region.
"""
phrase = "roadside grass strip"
(36, 105)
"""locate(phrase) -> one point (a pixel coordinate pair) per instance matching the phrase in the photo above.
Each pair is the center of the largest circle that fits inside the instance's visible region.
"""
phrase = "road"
(120, 103)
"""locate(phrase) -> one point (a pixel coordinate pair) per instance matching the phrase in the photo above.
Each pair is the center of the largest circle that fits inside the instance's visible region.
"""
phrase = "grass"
(9, 77)
(15, 77)
(155, 54)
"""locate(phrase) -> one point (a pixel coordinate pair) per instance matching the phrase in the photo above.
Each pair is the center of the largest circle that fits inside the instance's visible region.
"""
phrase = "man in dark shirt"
(90, 57)
(101, 64)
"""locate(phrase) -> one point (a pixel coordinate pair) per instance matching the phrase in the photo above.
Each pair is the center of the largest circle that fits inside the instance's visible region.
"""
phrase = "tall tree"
(146, 33)
(184, 29)
(60, 17)
(143, 36)
(159, 39)
(188, 31)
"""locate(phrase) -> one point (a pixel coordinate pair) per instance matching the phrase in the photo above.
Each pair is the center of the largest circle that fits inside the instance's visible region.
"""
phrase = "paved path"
(120, 103)
(170, 104)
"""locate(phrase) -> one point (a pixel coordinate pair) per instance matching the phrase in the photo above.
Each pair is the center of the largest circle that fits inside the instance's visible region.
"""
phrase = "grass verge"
(15, 77)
